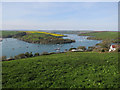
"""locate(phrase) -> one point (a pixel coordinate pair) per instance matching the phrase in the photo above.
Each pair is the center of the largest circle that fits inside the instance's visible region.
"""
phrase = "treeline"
(47, 41)
(12, 34)
(98, 48)
(39, 38)
(44, 39)
(27, 55)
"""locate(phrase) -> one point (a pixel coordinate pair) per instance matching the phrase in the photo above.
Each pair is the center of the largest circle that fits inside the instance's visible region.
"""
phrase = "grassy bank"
(36, 37)
(103, 35)
(66, 70)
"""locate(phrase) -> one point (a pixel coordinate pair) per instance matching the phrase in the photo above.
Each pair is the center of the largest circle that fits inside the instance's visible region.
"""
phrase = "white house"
(74, 50)
(112, 48)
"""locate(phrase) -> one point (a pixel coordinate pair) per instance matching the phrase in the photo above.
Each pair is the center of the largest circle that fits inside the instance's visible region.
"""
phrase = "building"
(112, 48)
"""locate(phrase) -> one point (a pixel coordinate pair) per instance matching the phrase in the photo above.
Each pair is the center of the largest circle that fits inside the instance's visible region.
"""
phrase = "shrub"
(52, 53)
(90, 48)
(30, 55)
(27, 54)
(105, 44)
(20, 56)
(117, 50)
(97, 49)
(3, 57)
(102, 50)
(36, 54)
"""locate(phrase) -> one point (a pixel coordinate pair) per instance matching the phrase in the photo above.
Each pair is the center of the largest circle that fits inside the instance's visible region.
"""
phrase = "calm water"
(12, 47)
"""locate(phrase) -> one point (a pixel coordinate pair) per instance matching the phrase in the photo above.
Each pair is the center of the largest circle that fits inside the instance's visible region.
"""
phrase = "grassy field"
(43, 38)
(111, 36)
(65, 70)
(8, 33)
(36, 37)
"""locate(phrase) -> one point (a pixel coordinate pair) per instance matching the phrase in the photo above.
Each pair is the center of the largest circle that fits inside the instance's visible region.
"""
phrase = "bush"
(102, 50)
(20, 56)
(90, 48)
(27, 54)
(52, 53)
(4, 57)
(36, 54)
(105, 44)
(30, 55)
(117, 50)
(97, 49)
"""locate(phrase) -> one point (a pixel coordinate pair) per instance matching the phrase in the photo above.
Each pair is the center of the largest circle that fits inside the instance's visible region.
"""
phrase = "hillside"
(36, 37)
(65, 70)
(103, 35)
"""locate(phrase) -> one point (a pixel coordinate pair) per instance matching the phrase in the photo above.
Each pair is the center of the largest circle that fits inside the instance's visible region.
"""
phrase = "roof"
(113, 46)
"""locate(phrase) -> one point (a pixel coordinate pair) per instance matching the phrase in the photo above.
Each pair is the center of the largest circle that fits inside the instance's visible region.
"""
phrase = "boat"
(57, 49)
(1, 39)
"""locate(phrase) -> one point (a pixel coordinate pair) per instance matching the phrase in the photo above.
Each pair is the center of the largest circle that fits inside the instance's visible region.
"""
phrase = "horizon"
(65, 30)
(97, 16)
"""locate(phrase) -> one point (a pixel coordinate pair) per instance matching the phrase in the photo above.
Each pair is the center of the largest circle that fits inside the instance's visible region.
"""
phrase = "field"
(109, 36)
(36, 37)
(8, 33)
(44, 33)
(65, 70)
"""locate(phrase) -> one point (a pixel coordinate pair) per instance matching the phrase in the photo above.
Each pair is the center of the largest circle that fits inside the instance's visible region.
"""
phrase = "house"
(77, 50)
(74, 50)
(113, 48)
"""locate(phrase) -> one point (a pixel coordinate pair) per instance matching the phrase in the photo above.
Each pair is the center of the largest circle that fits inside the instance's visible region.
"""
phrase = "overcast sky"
(60, 16)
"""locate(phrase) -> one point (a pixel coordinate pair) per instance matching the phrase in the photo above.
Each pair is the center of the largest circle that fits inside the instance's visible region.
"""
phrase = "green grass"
(8, 33)
(66, 70)
(40, 38)
(111, 36)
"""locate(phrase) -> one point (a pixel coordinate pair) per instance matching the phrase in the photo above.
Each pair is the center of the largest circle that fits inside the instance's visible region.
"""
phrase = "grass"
(42, 38)
(8, 33)
(66, 70)
(111, 36)
(36, 37)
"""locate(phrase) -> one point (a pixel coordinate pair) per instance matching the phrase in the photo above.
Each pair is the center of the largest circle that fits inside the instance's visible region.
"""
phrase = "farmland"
(65, 70)
(36, 37)
(103, 35)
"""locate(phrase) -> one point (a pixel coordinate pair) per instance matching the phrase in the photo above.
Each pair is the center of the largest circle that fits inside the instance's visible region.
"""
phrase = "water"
(12, 47)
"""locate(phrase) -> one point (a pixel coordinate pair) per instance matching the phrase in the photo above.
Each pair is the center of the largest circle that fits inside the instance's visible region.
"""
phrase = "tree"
(20, 56)
(90, 48)
(4, 57)
(27, 54)
(105, 44)
(30, 55)
(36, 54)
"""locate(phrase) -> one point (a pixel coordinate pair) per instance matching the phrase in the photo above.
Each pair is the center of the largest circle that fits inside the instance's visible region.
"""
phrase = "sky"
(101, 16)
